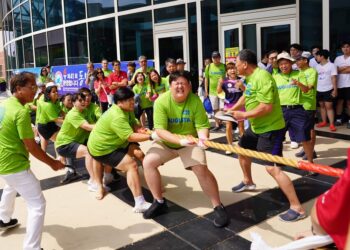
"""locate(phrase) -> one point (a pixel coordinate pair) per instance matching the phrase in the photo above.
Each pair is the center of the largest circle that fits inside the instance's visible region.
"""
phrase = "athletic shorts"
(48, 130)
(324, 96)
(190, 156)
(298, 122)
(269, 142)
(344, 94)
(311, 117)
(68, 150)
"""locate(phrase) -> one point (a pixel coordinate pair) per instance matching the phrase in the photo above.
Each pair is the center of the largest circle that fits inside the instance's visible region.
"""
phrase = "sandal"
(291, 216)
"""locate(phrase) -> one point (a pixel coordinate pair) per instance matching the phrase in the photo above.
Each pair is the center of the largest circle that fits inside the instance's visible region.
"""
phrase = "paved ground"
(76, 220)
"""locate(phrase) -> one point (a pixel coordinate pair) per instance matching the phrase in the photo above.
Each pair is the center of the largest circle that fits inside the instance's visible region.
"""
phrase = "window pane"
(99, 7)
(77, 44)
(136, 35)
(339, 18)
(209, 27)
(103, 30)
(169, 14)
(227, 6)
(132, 4)
(15, 2)
(19, 49)
(74, 10)
(53, 12)
(40, 48)
(28, 52)
(56, 47)
(13, 55)
(38, 15)
(249, 37)
(17, 22)
(311, 20)
(161, 1)
(275, 38)
(26, 25)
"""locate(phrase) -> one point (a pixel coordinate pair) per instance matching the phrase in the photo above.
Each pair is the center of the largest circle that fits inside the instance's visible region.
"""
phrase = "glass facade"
(136, 36)
(40, 50)
(25, 18)
(209, 27)
(311, 23)
(17, 21)
(20, 58)
(38, 14)
(132, 4)
(249, 36)
(74, 10)
(28, 52)
(99, 7)
(227, 6)
(55, 41)
(77, 44)
(53, 12)
(169, 14)
(102, 31)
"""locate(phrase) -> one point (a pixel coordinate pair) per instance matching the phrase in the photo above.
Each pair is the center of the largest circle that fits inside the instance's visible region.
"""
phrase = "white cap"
(285, 55)
(50, 84)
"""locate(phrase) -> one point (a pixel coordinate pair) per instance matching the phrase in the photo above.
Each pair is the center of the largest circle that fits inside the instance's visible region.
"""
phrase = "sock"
(71, 170)
(160, 201)
(139, 200)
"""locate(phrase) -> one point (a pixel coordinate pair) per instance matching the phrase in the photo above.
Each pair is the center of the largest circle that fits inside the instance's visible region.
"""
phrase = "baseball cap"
(180, 61)
(215, 54)
(305, 54)
(285, 55)
(50, 84)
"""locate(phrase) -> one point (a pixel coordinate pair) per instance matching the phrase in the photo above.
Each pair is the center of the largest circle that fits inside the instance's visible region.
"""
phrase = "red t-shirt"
(113, 77)
(333, 209)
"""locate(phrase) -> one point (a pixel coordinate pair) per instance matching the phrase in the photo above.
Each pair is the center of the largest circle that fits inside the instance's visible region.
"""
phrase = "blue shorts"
(298, 121)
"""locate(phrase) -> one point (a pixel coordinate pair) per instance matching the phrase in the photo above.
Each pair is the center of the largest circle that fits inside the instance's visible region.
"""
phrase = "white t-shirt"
(325, 72)
(343, 80)
(313, 63)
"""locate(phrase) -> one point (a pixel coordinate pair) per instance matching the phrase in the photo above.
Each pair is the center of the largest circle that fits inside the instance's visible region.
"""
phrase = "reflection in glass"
(26, 25)
(53, 12)
(209, 27)
(227, 6)
(56, 47)
(132, 4)
(311, 20)
(169, 14)
(275, 38)
(19, 49)
(17, 22)
(38, 14)
(28, 52)
(136, 35)
(77, 44)
(40, 49)
(74, 10)
(102, 31)
(15, 2)
(161, 1)
(99, 7)
(249, 36)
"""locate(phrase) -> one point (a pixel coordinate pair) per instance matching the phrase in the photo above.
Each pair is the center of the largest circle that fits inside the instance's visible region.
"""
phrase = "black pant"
(149, 113)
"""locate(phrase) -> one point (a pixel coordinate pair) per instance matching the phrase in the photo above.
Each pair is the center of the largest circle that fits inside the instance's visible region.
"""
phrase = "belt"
(291, 106)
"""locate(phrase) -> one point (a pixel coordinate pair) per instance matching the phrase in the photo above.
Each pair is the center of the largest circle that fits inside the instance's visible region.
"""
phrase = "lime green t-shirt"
(141, 90)
(308, 99)
(111, 132)
(159, 88)
(289, 94)
(64, 109)
(14, 127)
(214, 73)
(180, 118)
(149, 69)
(92, 113)
(261, 88)
(71, 130)
(107, 72)
(48, 111)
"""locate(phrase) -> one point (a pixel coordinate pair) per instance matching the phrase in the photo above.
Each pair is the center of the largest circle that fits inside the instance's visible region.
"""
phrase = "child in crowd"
(66, 103)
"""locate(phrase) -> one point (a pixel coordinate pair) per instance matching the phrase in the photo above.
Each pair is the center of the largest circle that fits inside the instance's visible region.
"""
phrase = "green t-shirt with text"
(14, 127)
(149, 69)
(141, 90)
(214, 73)
(308, 99)
(71, 130)
(111, 131)
(261, 88)
(180, 118)
(159, 88)
(289, 94)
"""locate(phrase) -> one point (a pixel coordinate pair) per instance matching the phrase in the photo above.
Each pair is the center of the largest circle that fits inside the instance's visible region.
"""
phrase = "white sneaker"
(294, 145)
(142, 207)
(93, 187)
(228, 152)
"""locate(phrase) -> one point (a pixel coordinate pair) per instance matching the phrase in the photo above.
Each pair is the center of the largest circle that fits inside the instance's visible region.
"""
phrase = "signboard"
(231, 54)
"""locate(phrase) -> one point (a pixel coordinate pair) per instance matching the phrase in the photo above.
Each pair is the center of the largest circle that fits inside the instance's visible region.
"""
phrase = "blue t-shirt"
(232, 94)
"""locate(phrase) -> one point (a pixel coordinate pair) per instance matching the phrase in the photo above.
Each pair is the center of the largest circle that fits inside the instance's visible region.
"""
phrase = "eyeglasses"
(33, 87)
(99, 73)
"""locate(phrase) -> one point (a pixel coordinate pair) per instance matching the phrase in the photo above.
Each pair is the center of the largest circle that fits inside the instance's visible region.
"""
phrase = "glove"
(155, 137)
(187, 143)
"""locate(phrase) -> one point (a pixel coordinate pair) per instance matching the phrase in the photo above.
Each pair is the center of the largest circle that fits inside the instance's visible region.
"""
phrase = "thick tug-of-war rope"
(302, 165)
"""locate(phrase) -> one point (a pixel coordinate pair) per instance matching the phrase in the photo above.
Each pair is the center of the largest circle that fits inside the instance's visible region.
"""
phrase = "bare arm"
(303, 87)
(168, 136)
(36, 151)
(261, 110)
(139, 137)
(219, 88)
(87, 126)
(344, 70)
(59, 120)
(206, 83)
(334, 83)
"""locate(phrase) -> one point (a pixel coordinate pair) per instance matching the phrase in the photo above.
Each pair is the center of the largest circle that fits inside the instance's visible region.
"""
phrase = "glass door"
(170, 45)
(231, 42)
(275, 36)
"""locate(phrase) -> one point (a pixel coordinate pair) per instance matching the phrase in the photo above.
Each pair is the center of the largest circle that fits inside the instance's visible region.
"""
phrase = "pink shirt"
(104, 90)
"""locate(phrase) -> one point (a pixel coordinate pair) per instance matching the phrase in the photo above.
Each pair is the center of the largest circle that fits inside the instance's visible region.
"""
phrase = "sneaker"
(321, 124)
(142, 207)
(314, 156)
(338, 122)
(12, 223)
(301, 153)
(291, 216)
(243, 187)
(294, 145)
(221, 217)
(228, 152)
(332, 128)
(155, 209)
(69, 177)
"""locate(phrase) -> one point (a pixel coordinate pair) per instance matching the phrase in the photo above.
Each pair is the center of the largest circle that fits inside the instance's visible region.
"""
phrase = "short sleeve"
(160, 116)
(23, 124)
